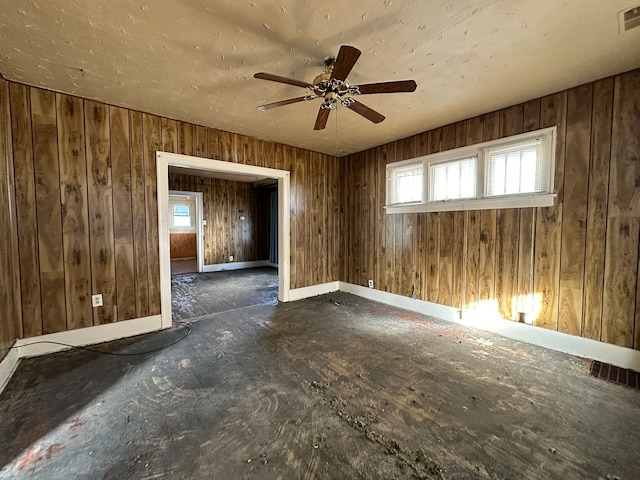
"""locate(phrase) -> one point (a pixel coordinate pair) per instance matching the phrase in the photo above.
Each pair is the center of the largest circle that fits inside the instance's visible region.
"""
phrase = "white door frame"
(199, 228)
(164, 160)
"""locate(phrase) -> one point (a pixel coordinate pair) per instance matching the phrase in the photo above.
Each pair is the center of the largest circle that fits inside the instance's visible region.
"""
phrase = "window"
(511, 172)
(182, 214)
(453, 180)
(404, 184)
(518, 168)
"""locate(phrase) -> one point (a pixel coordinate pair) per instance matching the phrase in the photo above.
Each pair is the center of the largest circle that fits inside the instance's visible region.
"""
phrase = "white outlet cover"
(96, 300)
(370, 283)
(231, 258)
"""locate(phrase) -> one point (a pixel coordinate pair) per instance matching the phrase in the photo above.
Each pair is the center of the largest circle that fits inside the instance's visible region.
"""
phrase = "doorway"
(230, 171)
(186, 245)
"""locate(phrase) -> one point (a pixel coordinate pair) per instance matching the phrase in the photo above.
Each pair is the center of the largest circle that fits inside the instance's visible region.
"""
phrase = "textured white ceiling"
(194, 60)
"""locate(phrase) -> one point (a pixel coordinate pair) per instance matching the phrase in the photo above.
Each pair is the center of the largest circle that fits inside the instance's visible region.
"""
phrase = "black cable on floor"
(103, 352)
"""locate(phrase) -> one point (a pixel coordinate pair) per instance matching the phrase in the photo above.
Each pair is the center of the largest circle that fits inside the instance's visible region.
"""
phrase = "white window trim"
(543, 199)
(184, 199)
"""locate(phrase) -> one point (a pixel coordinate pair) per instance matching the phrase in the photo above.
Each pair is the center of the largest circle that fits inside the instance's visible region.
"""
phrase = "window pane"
(529, 170)
(517, 168)
(497, 175)
(406, 184)
(181, 215)
(453, 180)
(181, 221)
(512, 182)
(181, 210)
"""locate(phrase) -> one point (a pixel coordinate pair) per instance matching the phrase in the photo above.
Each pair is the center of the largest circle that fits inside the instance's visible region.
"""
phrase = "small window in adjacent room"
(404, 184)
(182, 214)
(453, 180)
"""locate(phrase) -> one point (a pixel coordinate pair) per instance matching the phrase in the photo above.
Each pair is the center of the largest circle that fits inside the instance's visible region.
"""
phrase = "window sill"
(520, 201)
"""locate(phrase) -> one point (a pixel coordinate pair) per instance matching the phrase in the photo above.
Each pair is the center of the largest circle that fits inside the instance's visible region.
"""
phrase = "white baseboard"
(313, 291)
(8, 366)
(221, 267)
(561, 342)
(35, 346)
(274, 265)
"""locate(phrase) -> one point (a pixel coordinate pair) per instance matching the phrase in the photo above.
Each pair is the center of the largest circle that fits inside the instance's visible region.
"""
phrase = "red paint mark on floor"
(32, 455)
(76, 423)
(37, 453)
(53, 449)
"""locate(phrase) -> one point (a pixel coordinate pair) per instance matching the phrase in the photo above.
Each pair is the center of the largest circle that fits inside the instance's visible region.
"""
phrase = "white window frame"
(392, 173)
(480, 202)
(183, 200)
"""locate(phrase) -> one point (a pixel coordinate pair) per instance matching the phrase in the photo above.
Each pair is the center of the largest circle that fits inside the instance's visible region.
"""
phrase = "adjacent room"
(275, 240)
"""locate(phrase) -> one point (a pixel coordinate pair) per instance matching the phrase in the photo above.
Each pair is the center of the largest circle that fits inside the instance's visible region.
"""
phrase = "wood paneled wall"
(10, 310)
(575, 265)
(183, 245)
(224, 202)
(86, 207)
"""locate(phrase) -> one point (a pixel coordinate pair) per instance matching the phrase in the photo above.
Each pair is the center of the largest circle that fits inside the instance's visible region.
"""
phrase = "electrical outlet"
(96, 300)
(370, 283)
(231, 258)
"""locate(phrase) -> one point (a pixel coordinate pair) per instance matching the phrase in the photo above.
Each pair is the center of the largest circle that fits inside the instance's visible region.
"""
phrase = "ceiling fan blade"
(321, 119)
(279, 79)
(347, 58)
(387, 87)
(281, 103)
(365, 111)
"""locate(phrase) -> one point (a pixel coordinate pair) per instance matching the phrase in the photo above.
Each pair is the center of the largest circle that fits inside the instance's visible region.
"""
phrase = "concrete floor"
(333, 387)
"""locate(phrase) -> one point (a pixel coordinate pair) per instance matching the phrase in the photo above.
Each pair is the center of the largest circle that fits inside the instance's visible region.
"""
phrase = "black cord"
(95, 350)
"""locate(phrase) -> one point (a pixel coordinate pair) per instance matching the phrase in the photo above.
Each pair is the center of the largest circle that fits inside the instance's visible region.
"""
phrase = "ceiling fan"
(332, 87)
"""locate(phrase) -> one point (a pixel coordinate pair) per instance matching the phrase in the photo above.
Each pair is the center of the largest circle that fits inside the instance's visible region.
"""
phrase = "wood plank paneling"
(221, 198)
(432, 277)
(445, 282)
(183, 245)
(100, 189)
(186, 138)
(169, 135)
(75, 213)
(302, 192)
(486, 279)
(201, 142)
(597, 208)
(10, 304)
(47, 175)
(87, 199)
(573, 266)
(507, 231)
(474, 134)
(122, 213)
(549, 220)
(574, 215)
(623, 215)
(26, 209)
(213, 149)
(406, 253)
(225, 146)
(152, 143)
(531, 121)
(138, 212)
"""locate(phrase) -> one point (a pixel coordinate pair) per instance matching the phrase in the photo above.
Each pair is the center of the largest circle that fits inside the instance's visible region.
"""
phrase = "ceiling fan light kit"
(332, 87)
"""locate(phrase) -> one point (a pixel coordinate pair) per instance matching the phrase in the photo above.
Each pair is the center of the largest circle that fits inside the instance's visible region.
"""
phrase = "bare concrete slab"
(334, 387)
